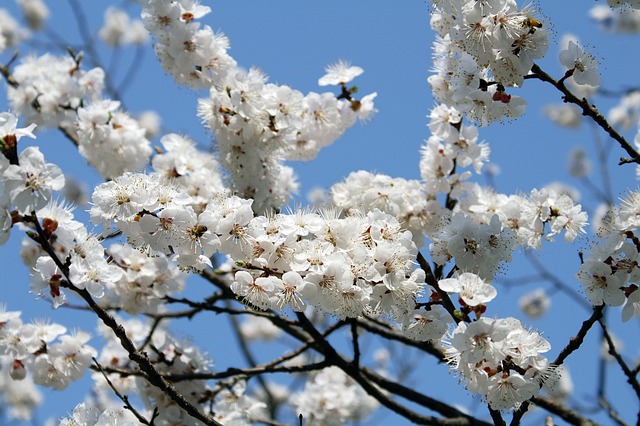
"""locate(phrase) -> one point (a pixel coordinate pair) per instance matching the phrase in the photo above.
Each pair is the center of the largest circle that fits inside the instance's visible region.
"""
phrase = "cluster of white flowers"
(406, 200)
(192, 54)
(110, 139)
(131, 280)
(635, 4)
(27, 180)
(156, 217)
(610, 273)
(119, 29)
(45, 351)
(343, 266)
(144, 282)
(483, 48)
(451, 146)
(500, 360)
(170, 356)
(479, 248)
(35, 13)
(84, 415)
(257, 125)
(54, 92)
(333, 399)
(543, 213)
(50, 89)
(10, 32)
(195, 172)
(484, 227)
(81, 252)
(622, 20)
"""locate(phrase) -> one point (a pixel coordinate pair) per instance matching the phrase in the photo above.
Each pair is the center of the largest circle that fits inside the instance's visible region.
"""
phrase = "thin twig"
(631, 378)
(123, 398)
(356, 346)
(496, 417)
(431, 280)
(140, 358)
(574, 343)
(613, 414)
(590, 111)
(566, 414)
(250, 359)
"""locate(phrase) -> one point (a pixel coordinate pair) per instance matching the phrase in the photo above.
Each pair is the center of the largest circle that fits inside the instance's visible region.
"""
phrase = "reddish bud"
(18, 372)
(188, 17)
(49, 225)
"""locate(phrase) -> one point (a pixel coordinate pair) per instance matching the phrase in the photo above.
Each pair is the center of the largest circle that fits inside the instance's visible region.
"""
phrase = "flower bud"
(18, 372)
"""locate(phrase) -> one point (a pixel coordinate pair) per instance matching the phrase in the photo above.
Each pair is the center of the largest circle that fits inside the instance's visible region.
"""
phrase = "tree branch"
(125, 398)
(570, 416)
(590, 111)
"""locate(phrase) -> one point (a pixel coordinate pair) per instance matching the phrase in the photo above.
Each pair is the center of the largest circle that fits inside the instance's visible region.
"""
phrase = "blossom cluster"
(406, 200)
(331, 398)
(483, 48)
(622, 20)
(119, 29)
(610, 273)
(193, 54)
(343, 265)
(44, 352)
(110, 139)
(257, 125)
(170, 356)
(50, 89)
(500, 360)
(10, 32)
(27, 180)
(56, 92)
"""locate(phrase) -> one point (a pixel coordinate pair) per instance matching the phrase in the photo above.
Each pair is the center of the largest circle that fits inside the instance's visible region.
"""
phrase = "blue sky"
(292, 42)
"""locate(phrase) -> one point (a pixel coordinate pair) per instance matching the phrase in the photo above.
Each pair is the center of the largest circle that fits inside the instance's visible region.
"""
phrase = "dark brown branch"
(356, 374)
(496, 417)
(631, 378)
(574, 343)
(590, 111)
(140, 358)
(249, 358)
(570, 416)
(125, 398)
(431, 280)
(385, 330)
(613, 414)
(418, 398)
(356, 345)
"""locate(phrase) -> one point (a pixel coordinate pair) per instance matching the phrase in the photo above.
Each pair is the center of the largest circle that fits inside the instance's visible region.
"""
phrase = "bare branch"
(574, 343)
(570, 416)
(631, 378)
(590, 111)
(123, 398)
